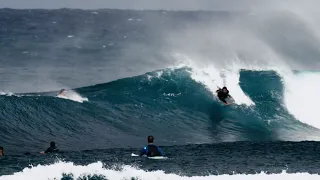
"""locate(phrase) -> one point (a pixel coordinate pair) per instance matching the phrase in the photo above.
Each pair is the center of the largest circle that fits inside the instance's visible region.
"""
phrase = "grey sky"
(138, 4)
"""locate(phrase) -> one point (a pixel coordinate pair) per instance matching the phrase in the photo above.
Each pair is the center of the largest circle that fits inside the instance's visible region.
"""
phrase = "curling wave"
(167, 103)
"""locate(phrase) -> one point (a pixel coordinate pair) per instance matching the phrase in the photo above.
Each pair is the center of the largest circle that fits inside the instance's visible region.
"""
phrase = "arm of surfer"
(161, 152)
(143, 151)
(45, 152)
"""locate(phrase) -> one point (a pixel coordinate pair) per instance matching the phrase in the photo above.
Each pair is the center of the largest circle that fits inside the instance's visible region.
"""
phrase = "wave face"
(169, 104)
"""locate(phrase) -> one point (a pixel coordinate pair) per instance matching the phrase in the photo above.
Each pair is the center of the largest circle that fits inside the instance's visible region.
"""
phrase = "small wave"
(97, 170)
(73, 96)
(6, 94)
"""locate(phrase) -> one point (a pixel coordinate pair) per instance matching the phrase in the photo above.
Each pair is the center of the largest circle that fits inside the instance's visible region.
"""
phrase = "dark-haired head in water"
(51, 149)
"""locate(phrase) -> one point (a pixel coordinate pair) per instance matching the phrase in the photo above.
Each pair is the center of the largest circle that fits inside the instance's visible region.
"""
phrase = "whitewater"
(133, 73)
(97, 171)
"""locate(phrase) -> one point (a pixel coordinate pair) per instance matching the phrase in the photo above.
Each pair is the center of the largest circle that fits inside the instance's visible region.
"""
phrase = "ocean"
(129, 74)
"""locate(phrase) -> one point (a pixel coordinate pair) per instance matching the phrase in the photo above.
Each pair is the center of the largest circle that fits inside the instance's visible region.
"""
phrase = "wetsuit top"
(52, 150)
(222, 95)
(151, 151)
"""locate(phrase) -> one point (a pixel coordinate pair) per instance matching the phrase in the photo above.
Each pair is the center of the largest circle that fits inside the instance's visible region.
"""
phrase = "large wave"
(171, 104)
(247, 52)
(252, 53)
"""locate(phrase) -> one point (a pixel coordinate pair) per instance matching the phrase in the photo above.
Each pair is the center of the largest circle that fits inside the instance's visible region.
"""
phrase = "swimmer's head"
(52, 144)
(150, 139)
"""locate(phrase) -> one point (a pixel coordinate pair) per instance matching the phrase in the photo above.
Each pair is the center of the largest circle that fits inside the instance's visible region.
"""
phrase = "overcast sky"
(137, 4)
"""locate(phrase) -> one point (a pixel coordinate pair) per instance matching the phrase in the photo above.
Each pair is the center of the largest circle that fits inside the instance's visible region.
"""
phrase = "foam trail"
(73, 96)
(232, 82)
(302, 97)
(55, 171)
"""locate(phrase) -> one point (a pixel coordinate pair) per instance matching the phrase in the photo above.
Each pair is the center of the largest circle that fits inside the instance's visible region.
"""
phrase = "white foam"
(212, 78)
(302, 96)
(159, 74)
(6, 93)
(73, 96)
(149, 77)
(171, 94)
(55, 171)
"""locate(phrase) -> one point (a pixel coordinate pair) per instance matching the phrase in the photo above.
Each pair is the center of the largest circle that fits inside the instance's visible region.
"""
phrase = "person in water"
(151, 150)
(223, 94)
(51, 149)
(1, 151)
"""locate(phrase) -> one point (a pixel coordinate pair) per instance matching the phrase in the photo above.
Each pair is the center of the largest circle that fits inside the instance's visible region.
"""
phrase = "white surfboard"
(229, 100)
(156, 157)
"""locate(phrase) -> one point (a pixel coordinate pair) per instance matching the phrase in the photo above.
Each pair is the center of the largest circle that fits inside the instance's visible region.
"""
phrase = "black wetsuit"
(151, 151)
(52, 150)
(222, 95)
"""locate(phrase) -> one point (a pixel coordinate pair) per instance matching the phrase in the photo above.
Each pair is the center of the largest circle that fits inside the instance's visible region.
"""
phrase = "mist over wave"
(91, 47)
